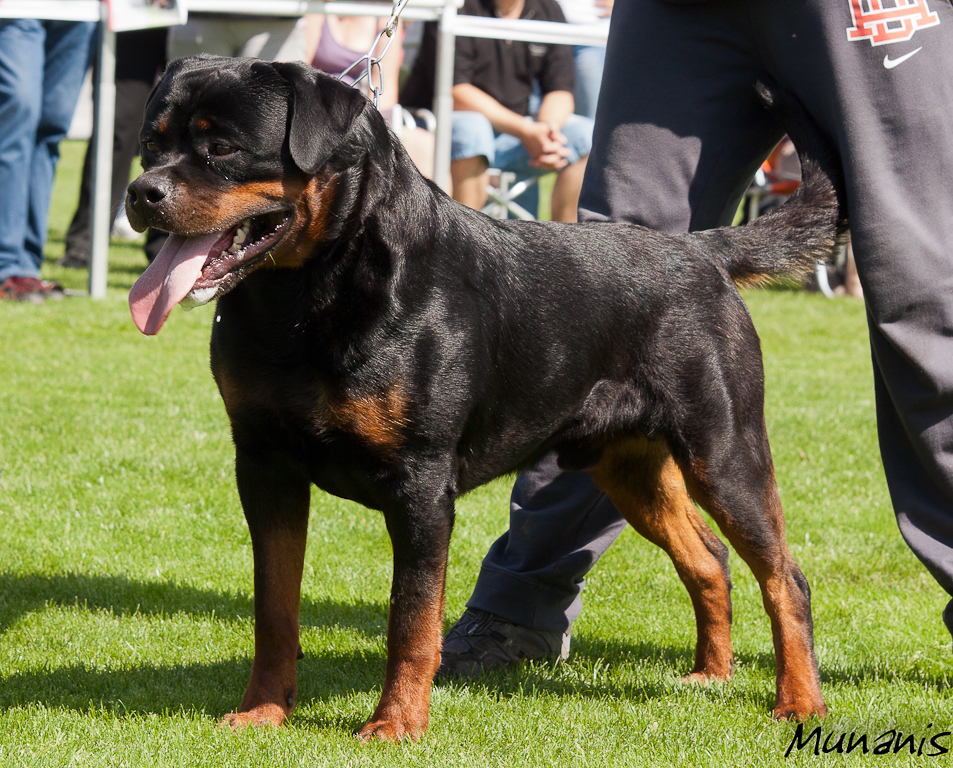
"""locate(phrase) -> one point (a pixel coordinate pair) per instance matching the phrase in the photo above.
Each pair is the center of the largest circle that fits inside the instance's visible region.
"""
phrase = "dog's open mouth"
(194, 270)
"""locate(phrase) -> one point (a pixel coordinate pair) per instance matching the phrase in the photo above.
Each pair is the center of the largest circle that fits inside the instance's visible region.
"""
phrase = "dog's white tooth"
(198, 296)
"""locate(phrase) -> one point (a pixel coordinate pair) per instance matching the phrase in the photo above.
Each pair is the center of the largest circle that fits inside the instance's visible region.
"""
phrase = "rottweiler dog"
(391, 346)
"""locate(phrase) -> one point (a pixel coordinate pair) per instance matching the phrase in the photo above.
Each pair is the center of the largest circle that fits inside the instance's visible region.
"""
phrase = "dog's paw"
(391, 731)
(702, 678)
(265, 714)
(799, 711)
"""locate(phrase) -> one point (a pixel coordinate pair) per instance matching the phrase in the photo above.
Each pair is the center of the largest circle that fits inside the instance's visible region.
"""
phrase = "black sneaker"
(74, 261)
(480, 642)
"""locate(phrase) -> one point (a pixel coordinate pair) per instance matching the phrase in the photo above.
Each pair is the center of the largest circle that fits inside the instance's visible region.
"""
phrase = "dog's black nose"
(144, 201)
(145, 193)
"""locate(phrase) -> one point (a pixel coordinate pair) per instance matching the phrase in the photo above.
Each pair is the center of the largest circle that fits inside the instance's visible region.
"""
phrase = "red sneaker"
(27, 289)
(31, 290)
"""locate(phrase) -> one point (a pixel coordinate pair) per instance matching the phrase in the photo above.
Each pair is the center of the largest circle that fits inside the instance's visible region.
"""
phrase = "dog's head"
(234, 156)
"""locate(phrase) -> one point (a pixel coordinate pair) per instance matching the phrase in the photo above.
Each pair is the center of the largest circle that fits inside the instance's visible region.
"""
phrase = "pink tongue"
(168, 279)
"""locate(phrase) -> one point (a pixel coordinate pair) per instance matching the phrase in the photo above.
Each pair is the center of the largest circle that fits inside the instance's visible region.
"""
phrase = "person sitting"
(492, 123)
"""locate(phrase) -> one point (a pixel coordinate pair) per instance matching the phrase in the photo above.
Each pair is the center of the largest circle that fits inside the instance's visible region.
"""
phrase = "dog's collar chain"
(374, 62)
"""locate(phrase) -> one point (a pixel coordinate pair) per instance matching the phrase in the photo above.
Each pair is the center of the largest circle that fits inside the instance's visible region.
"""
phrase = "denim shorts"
(474, 136)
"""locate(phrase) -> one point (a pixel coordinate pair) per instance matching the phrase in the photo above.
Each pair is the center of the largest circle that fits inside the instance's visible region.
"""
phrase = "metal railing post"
(101, 209)
(443, 94)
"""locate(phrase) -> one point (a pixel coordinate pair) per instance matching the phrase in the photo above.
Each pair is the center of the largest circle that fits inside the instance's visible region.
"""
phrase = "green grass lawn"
(126, 585)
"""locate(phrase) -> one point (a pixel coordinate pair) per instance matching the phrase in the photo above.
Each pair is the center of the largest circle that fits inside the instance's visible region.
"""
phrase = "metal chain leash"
(374, 62)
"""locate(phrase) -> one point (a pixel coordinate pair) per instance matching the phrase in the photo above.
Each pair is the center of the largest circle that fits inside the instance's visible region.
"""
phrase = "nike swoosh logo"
(891, 63)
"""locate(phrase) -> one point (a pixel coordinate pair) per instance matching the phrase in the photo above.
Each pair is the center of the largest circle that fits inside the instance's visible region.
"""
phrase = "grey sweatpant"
(678, 137)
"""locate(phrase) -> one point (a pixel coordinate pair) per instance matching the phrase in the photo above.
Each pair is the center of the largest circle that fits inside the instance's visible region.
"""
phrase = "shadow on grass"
(211, 688)
(586, 675)
(681, 659)
(215, 688)
(123, 597)
(589, 674)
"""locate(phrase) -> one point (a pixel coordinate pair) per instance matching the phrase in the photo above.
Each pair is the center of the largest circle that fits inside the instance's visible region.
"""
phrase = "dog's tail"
(808, 227)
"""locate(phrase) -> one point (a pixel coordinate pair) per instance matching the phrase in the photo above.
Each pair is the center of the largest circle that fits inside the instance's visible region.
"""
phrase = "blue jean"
(42, 65)
(589, 61)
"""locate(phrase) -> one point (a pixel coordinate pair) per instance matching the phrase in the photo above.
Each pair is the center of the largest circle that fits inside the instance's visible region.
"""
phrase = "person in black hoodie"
(678, 136)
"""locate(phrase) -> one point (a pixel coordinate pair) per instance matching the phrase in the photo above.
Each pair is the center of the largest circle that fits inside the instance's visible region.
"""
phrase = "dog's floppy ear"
(322, 112)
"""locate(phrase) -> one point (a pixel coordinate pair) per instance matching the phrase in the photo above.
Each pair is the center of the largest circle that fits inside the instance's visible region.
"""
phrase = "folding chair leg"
(502, 190)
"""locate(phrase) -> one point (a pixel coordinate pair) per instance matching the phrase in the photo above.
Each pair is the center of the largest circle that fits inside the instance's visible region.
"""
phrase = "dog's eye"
(223, 149)
(150, 146)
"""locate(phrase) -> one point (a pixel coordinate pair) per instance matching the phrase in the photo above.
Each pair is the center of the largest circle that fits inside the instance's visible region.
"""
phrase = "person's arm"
(557, 79)
(555, 107)
(467, 96)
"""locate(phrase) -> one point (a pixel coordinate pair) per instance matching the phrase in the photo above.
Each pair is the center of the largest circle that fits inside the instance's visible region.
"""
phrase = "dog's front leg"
(275, 499)
(421, 541)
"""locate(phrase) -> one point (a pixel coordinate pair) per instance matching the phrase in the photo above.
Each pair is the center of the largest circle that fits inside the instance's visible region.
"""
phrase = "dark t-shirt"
(505, 69)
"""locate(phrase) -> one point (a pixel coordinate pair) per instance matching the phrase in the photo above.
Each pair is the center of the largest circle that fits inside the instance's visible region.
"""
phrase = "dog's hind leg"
(646, 486)
(739, 491)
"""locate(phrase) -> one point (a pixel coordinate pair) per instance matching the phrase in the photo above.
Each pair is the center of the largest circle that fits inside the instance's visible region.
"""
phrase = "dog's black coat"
(399, 349)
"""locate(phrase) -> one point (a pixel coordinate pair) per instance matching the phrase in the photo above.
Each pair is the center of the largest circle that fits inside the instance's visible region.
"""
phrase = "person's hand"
(605, 8)
(545, 145)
